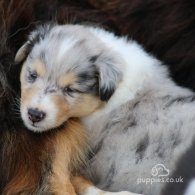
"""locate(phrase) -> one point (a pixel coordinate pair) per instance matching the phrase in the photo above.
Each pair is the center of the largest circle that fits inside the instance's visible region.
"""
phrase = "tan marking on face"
(27, 95)
(85, 105)
(39, 67)
(67, 79)
(62, 109)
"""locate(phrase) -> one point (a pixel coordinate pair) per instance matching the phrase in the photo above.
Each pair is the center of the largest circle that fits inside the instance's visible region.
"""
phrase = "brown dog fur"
(45, 161)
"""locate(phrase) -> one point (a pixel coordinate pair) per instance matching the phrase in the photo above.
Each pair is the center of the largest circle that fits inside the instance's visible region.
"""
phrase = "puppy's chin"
(40, 129)
(35, 129)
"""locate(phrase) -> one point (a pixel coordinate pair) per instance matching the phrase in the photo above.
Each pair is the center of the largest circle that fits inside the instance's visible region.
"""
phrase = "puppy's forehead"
(66, 48)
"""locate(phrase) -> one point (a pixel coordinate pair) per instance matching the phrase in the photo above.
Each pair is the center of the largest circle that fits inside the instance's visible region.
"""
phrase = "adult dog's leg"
(85, 187)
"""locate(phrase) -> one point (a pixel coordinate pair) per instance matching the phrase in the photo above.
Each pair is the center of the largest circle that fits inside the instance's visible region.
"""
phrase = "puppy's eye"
(32, 76)
(68, 90)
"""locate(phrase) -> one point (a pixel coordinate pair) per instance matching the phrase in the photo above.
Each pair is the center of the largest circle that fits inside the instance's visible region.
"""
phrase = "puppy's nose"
(35, 115)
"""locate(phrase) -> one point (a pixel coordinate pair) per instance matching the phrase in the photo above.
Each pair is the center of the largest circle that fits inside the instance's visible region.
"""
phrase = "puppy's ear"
(110, 74)
(23, 52)
(35, 37)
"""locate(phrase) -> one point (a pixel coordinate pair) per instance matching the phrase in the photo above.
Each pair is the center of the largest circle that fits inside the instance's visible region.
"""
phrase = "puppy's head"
(67, 72)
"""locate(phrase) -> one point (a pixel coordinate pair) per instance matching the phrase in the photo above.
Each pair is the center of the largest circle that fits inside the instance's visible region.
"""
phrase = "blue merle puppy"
(139, 121)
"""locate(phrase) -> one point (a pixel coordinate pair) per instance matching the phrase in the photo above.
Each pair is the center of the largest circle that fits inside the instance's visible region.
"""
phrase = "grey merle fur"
(165, 28)
(161, 134)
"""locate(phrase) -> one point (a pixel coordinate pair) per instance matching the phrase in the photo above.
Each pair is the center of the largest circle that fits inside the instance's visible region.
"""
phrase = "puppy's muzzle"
(36, 115)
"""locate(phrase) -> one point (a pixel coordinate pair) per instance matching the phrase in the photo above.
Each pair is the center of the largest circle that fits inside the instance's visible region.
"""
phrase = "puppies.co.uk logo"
(159, 170)
(159, 173)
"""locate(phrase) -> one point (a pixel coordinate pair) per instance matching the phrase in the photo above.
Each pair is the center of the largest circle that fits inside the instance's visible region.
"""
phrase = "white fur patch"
(191, 188)
(95, 191)
(139, 69)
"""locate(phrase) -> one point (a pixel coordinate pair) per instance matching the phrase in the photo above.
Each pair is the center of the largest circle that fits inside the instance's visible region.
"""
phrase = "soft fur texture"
(137, 114)
(165, 28)
(143, 109)
(55, 90)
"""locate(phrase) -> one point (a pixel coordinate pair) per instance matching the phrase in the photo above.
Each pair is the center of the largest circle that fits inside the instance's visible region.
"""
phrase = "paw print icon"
(160, 170)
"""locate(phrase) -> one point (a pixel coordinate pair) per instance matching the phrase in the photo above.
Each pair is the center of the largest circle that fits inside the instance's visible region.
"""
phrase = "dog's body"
(52, 96)
(146, 119)
(164, 27)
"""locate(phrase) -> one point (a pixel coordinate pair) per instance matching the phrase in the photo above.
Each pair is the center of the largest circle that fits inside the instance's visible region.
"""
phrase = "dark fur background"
(165, 28)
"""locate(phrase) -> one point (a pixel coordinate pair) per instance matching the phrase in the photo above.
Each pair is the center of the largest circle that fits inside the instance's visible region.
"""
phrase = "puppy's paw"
(96, 191)
(119, 193)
